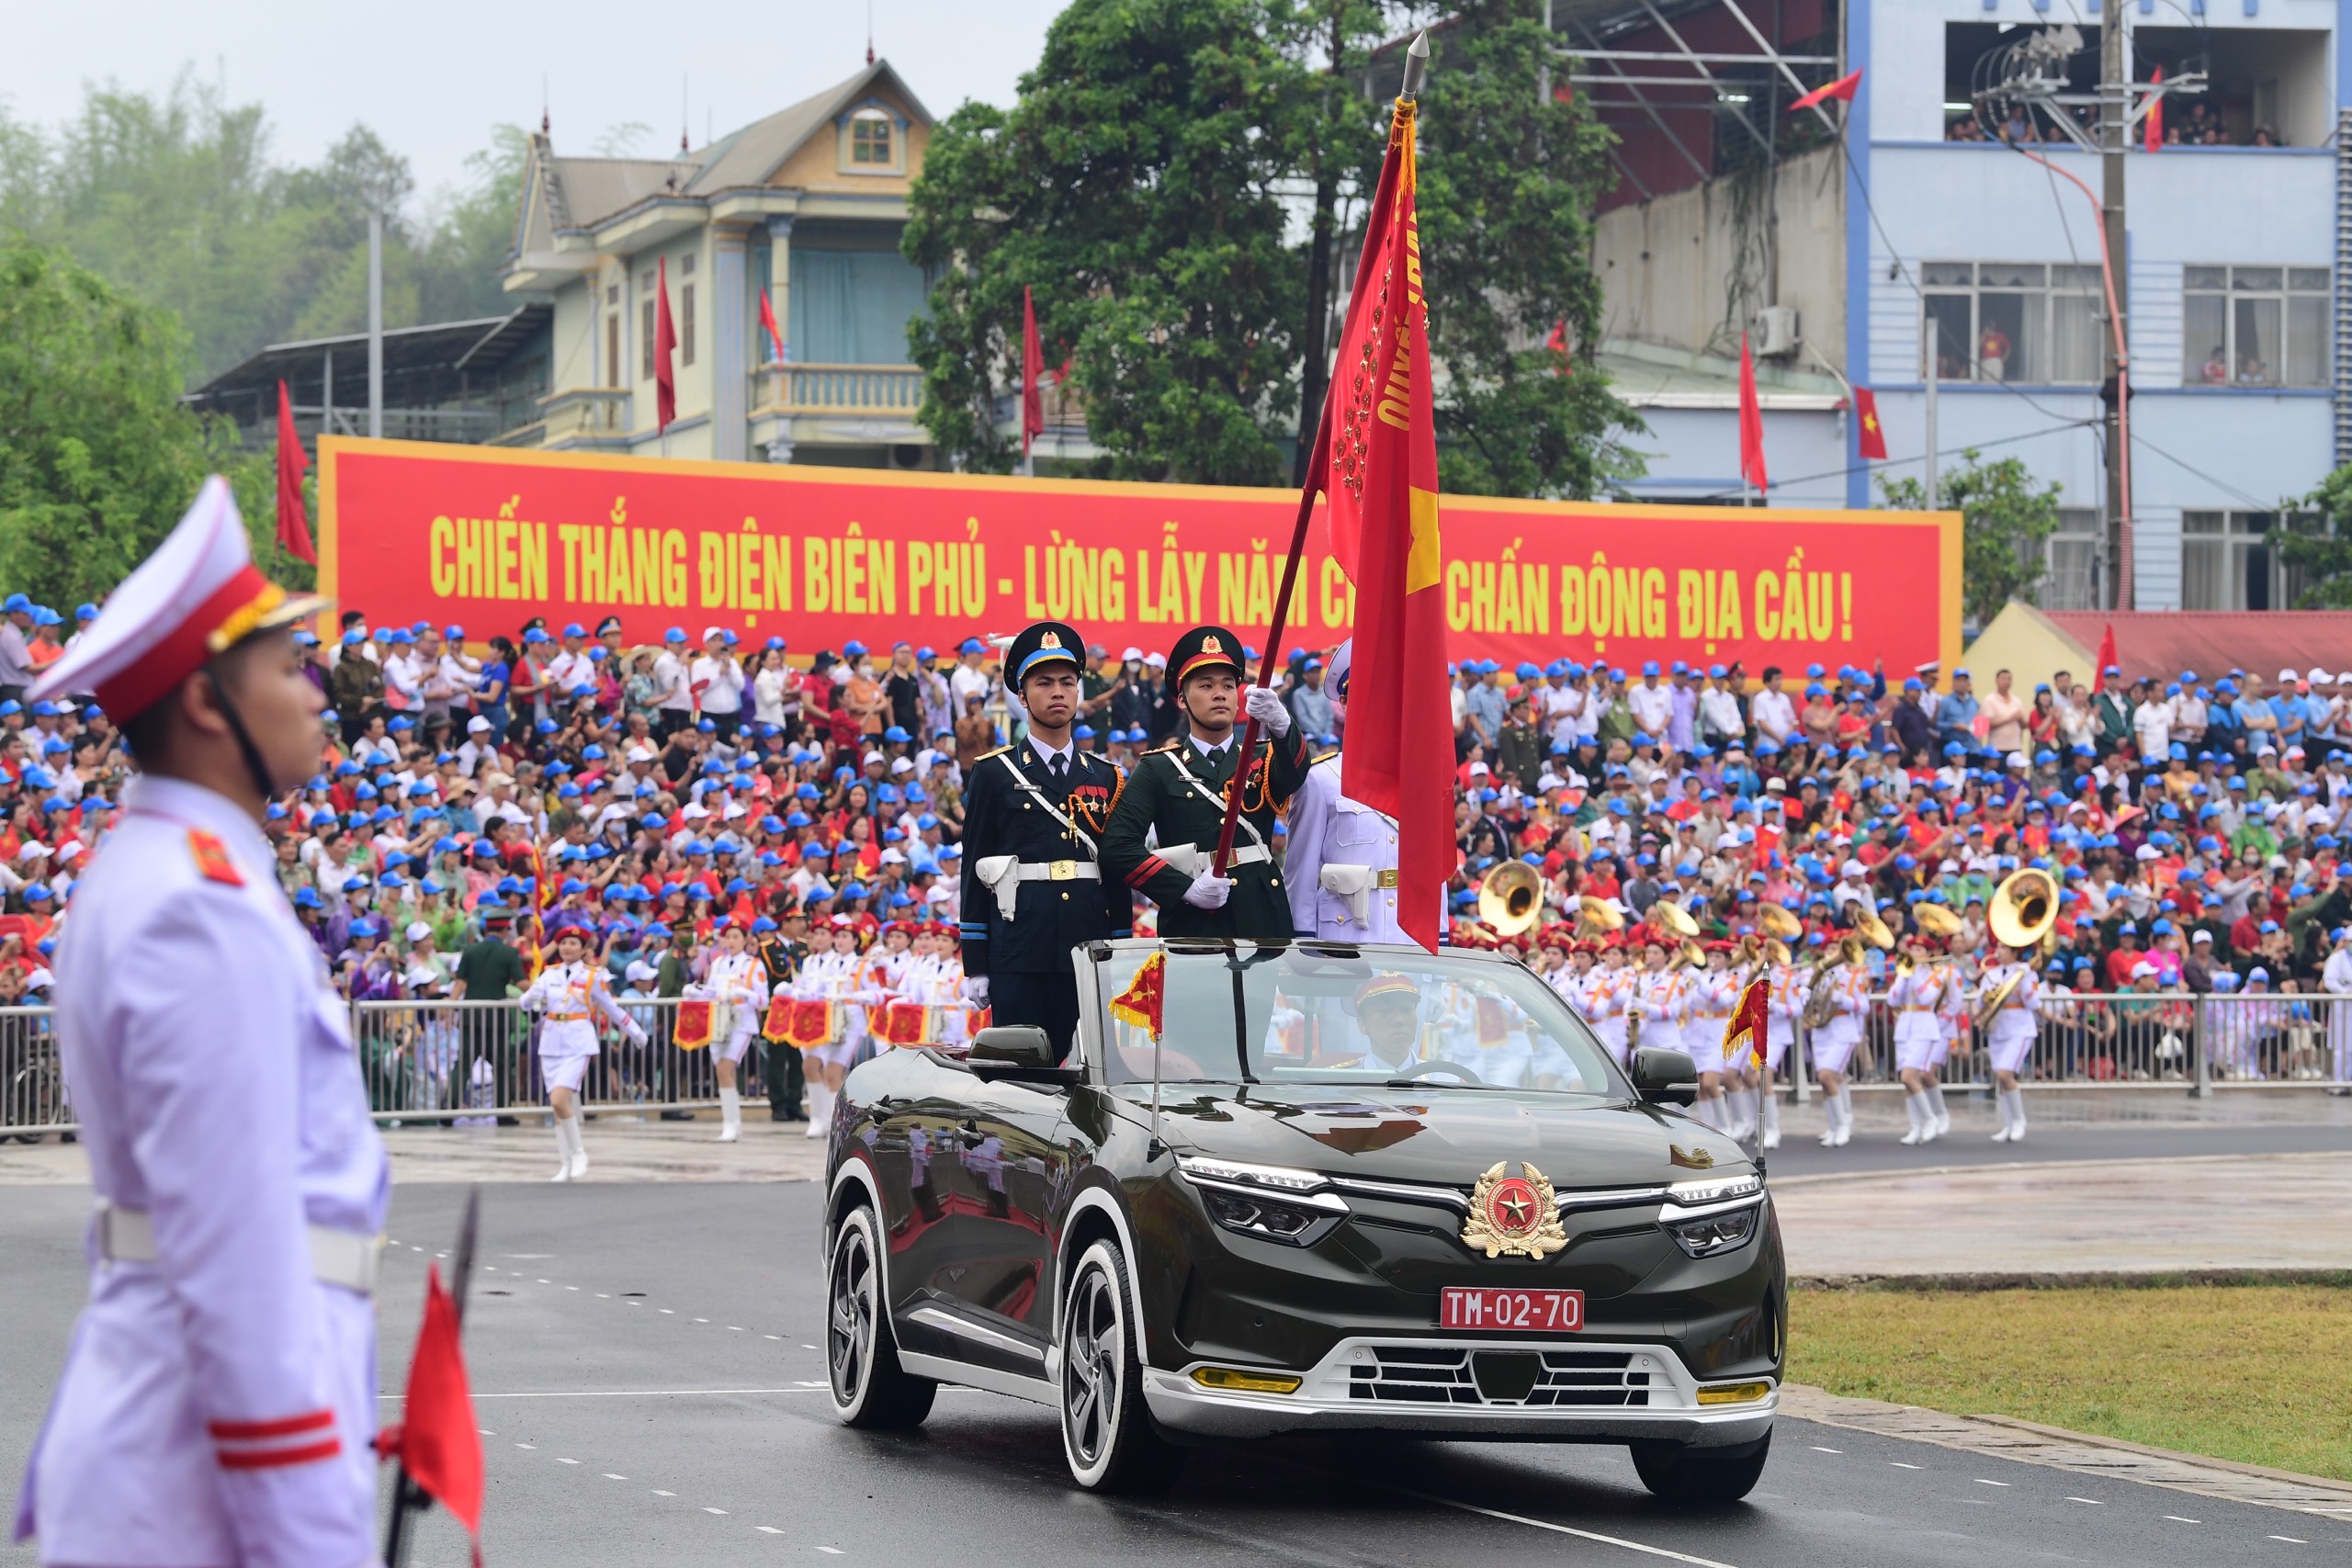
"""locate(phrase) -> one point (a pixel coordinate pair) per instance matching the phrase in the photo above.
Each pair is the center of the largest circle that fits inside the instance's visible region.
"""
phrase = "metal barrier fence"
(468, 1063)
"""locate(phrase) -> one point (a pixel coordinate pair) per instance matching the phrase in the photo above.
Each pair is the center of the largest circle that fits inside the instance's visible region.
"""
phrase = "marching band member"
(1713, 992)
(831, 977)
(1915, 993)
(1784, 1005)
(2335, 980)
(1952, 1025)
(1608, 997)
(1659, 997)
(738, 986)
(1739, 1070)
(2009, 1037)
(570, 994)
(1846, 990)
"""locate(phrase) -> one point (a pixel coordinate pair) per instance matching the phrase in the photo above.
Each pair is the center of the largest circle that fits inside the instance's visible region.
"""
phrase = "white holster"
(1353, 883)
(1003, 874)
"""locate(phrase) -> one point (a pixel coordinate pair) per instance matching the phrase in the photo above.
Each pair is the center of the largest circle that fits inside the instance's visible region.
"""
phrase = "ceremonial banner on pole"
(1380, 443)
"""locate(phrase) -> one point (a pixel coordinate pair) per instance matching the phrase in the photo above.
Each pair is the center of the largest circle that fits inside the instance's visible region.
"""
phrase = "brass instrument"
(1597, 916)
(1749, 950)
(2024, 911)
(1511, 897)
(1874, 929)
(1937, 921)
(1672, 917)
(1781, 923)
(1904, 965)
(1777, 952)
(1819, 1005)
(1997, 999)
(1691, 954)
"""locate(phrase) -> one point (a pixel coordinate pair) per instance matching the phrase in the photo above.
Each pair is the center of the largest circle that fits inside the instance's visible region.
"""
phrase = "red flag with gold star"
(1870, 435)
(1747, 1023)
(1377, 466)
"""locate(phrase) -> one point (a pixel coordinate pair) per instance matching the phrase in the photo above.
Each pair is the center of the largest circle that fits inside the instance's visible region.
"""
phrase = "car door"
(914, 1153)
(1011, 1163)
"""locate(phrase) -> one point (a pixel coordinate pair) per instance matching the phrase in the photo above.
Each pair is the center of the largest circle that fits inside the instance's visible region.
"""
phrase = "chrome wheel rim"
(1091, 1368)
(849, 1328)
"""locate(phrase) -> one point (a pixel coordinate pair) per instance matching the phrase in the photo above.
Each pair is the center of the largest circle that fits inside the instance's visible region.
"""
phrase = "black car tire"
(870, 1389)
(1107, 1434)
(1688, 1477)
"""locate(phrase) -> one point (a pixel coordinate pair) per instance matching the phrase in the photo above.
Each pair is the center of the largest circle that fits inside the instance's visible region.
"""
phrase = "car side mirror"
(1022, 1052)
(1660, 1077)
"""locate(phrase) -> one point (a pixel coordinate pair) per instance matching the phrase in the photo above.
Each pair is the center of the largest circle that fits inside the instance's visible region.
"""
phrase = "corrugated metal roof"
(2213, 642)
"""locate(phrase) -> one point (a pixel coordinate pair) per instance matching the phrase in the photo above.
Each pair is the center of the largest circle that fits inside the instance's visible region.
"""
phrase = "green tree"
(1135, 188)
(98, 457)
(1509, 175)
(2324, 556)
(2006, 518)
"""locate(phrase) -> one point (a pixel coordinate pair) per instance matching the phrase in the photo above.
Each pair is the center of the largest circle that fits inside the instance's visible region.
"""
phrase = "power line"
(2059, 429)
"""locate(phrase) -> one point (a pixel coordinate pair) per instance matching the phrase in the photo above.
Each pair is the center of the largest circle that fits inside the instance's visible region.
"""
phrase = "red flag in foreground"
(665, 348)
(1751, 422)
(1747, 1022)
(438, 1441)
(293, 519)
(1869, 434)
(2154, 123)
(1033, 372)
(1146, 996)
(1843, 88)
(2106, 658)
(1377, 462)
(767, 325)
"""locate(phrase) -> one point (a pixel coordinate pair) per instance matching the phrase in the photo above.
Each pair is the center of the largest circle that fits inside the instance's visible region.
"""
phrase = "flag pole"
(1417, 61)
(408, 1498)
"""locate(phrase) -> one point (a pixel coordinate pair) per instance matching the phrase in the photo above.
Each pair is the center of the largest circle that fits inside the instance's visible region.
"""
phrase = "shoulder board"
(986, 755)
(212, 860)
(1168, 745)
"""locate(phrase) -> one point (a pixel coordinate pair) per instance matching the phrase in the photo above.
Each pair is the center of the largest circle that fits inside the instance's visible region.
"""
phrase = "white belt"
(343, 1258)
(1059, 871)
(1003, 874)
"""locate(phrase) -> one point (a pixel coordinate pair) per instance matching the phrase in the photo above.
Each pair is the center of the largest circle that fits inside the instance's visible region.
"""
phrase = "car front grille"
(1419, 1375)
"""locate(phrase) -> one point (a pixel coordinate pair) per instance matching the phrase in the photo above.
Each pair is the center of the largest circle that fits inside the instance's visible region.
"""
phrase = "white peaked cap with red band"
(199, 594)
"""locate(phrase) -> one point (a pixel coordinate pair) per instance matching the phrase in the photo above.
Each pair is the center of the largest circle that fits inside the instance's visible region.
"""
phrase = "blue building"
(1849, 242)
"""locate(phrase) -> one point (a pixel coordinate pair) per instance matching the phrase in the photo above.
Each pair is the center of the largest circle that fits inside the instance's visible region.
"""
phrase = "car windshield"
(1333, 1013)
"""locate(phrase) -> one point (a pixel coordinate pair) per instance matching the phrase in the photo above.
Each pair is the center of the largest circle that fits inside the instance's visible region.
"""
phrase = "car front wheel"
(1678, 1473)
(1106, 1432)
(870, 1388)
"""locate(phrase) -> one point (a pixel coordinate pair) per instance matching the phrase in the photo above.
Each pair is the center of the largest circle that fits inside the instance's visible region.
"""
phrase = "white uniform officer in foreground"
(1340, 854)
(218, 1399)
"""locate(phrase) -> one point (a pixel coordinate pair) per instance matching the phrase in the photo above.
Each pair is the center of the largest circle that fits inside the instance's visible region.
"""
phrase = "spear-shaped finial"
(1416, 64)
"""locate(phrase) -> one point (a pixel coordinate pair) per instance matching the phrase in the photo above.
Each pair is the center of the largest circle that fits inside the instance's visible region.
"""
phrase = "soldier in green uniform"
(1520, 754)
(780, 956)
(1179, 789)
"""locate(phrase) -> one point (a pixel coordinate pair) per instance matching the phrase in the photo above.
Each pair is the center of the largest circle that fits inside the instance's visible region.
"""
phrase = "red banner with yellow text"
(489, 538)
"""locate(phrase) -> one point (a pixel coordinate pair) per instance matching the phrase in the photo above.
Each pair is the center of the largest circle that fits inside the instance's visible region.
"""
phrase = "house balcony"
(591, 417)
(836, 392)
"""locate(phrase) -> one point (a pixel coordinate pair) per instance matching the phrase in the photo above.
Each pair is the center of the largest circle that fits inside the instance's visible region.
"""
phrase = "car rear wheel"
(1676, 1472)
(1107, 1434)
(870, 1388)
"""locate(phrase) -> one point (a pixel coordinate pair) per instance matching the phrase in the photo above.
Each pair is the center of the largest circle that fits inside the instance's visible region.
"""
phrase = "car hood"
(1431, 1134)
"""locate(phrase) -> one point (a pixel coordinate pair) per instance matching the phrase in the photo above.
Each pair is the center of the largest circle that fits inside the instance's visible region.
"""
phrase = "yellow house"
(804, 206)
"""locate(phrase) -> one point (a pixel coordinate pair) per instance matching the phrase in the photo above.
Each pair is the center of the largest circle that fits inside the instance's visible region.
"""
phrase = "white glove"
(1208, 891)
(976, 989)
(1266, 707)
(637, 1035)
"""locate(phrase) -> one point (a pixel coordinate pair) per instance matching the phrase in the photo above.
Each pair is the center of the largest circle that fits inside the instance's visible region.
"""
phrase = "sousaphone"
(1777, 920)
(1937, 921)
(1511, 897)
(2023, 916)
(1667, 915)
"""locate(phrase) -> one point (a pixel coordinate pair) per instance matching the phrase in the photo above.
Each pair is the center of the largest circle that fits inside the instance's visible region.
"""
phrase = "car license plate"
(1520, 1312)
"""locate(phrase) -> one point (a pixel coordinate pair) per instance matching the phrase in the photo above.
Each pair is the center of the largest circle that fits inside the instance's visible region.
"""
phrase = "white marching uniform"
(218, 1398)
(1914, 998)
(2010, 1038)
(1340, 860)
(738, 982)
(1951, 1014)
(570, 996)
(1714, 993)
(2335, 980)
(1606, 995)
(1664, 1003)
(1783, 1006)
(838, 978)
(1834, 1042)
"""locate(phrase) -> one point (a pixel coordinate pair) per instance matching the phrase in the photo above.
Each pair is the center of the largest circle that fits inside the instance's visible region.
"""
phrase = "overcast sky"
(432, 76)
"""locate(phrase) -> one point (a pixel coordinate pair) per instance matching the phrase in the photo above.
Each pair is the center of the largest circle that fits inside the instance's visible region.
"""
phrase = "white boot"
(1767, 1117)
(1911, 1108)
(1742, 1114)
(1829, 1121)
(2008, 1125)
(2015, 1116)
(579, 1148)
(730, 1115)
(1845, 1114)
(821, 1111)
(1936, 1104)
(562, 1151)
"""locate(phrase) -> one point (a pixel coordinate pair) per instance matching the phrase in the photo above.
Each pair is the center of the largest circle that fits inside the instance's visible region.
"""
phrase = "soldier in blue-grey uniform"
(1341, 854)
(217, 1404)
(1033, 818)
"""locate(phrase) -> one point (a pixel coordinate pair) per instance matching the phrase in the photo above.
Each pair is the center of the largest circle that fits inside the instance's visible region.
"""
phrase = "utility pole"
(2114, 135)
(375, 321)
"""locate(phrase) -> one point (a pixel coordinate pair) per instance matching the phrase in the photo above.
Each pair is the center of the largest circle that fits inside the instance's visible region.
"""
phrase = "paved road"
(643, 1355)
(1876, 1147)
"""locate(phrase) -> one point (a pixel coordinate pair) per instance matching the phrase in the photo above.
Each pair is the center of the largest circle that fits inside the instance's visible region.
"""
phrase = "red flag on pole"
(293, 520)
(665, 347)
(1033, 371)
(1843, 89)
(1869, 434)
(2154, 123)
(2106, 658)
(1751, 422)
(767, 324)
(1376, 461)
(438, 1441)
(1747, 1024)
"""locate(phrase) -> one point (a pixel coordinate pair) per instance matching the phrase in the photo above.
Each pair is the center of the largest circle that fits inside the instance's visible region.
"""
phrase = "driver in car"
(1388, 1012)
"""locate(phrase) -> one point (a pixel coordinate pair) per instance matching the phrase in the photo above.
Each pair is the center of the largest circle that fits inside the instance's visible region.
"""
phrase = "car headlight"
(1712, 1234)
(1271, 1202)
(1713, 1190)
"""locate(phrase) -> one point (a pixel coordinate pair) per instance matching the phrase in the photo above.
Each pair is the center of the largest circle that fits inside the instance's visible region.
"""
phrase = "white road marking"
(659, 1492)
(832, 1551)
(702, 1320)
(633, 1394)
(768, 1530)
(2292, 1539)
(1900, 1465)
(734, 1329)
(1819, 1450)
(483, 1430)
(1560, 1529)
(668, 1312)
(571, 1287)
(2179, 1520)
(567, 1461)
(811, 1384)
(2092, 1501)
(546, 1281)
(778, 1337)
(808, 1346)
(1982, 1482)
(604, 1295)
(527, 1445)
(708, 1509)
(610, 1476)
